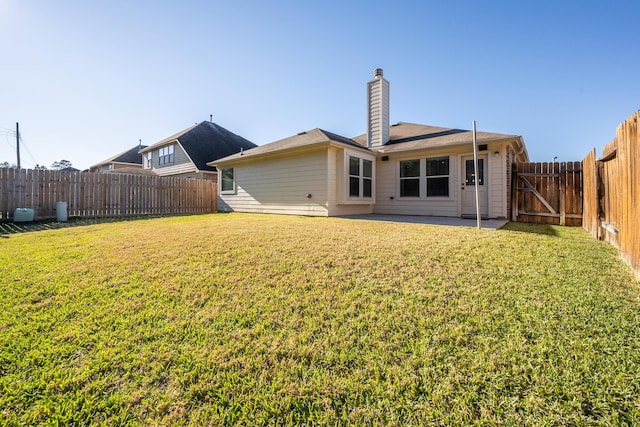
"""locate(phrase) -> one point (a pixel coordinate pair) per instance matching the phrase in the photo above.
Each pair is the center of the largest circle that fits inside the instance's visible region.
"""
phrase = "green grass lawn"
(278, 320)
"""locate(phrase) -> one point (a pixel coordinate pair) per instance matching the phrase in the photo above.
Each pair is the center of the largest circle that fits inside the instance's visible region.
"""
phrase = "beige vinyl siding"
(103, 168)
(209, 175)
(181, 162)
(336, 184)
(508, 159)
(388, 200)
(279, 185)
(378, 104)
(175, 169)
(497, 183)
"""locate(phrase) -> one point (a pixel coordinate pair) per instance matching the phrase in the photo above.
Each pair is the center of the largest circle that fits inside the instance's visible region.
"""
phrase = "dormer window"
(165, 155)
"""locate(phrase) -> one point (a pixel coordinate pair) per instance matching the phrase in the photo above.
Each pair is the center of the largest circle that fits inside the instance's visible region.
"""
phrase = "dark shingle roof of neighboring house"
(303, 139)
(205, 142)
(131, 156)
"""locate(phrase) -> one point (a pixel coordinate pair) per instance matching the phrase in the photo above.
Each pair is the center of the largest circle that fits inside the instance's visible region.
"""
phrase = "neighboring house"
(124, 162)
(187, 153)
(405, 169)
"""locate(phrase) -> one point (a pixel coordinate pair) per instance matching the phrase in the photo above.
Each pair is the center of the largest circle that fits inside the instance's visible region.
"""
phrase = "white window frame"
(360, 199)
(149, 159)
(233, 181)
(419, 177)
(427, 177)
(423, 179)
(166, 155)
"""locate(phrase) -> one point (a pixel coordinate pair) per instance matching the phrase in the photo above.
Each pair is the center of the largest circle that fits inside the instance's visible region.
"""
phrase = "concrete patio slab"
(489, 224)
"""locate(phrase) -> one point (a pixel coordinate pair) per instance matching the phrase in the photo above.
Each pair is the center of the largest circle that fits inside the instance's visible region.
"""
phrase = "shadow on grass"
(8, 228)
(523, 227)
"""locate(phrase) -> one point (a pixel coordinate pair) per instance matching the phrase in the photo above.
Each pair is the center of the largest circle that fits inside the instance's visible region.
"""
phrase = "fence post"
(563, 193)
(514, 193)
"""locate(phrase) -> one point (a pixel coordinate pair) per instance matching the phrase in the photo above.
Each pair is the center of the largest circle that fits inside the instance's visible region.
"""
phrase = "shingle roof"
(410, 136)
(131, 156)
(205, 142)
(303, 139)
(403, 137)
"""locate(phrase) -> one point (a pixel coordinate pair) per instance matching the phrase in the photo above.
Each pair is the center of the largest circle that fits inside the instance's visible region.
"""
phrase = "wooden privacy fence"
(547, 193)
(102, 194)
(612, 192)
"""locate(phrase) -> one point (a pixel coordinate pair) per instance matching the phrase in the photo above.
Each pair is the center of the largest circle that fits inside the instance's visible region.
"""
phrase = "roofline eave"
(329, 142)
(455, 144)
(159, 144)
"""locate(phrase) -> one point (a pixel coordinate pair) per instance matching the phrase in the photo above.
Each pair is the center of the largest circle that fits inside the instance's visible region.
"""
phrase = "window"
(433, 182)
(410, 178)
(367, 178)
(149, 160)
(470, 172)
(437, 171)
(165, 155)
(360, 177)
(354, 177)
(227, 183)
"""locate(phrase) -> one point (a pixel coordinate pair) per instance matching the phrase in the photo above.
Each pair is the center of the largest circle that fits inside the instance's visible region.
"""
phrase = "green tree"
(62, 164)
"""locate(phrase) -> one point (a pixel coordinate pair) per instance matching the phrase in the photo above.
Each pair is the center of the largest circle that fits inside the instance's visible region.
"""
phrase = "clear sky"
(87, 79)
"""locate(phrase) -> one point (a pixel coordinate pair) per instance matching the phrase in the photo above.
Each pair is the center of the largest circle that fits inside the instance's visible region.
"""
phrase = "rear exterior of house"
(441, 181)
(404, 169)
(303, 180)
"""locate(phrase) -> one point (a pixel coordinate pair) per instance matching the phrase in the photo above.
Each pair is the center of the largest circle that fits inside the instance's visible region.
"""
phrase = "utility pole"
(18, 143)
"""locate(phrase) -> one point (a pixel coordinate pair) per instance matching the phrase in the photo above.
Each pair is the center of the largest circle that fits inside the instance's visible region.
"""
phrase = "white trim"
(423, 178)
(221, 178)
(344, 182)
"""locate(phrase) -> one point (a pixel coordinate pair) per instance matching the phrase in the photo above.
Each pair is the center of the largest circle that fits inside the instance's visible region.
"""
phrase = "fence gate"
(547, 193)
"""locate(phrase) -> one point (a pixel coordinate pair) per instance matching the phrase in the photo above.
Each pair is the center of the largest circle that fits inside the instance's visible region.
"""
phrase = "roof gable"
(303, 139)
(131, 156)
(205, 142)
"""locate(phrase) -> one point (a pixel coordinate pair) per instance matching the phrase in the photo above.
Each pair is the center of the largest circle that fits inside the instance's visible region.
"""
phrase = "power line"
(23, 145)
(6, 132)
(11, 133)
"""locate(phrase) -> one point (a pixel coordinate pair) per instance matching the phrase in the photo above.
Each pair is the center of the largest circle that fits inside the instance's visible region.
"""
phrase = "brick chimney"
(377, 110)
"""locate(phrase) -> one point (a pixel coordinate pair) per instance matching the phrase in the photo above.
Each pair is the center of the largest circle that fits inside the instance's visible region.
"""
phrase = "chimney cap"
(377, 73)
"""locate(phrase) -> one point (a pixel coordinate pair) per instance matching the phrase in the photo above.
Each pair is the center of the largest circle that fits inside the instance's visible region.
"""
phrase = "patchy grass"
(275, 320)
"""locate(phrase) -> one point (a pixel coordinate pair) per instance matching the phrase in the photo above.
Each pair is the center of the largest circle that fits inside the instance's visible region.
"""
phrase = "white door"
(468, 187)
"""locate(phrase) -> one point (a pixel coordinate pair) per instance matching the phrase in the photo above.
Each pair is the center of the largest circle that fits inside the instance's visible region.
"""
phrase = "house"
(186, 153)
(125, 161)
(404, 169)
